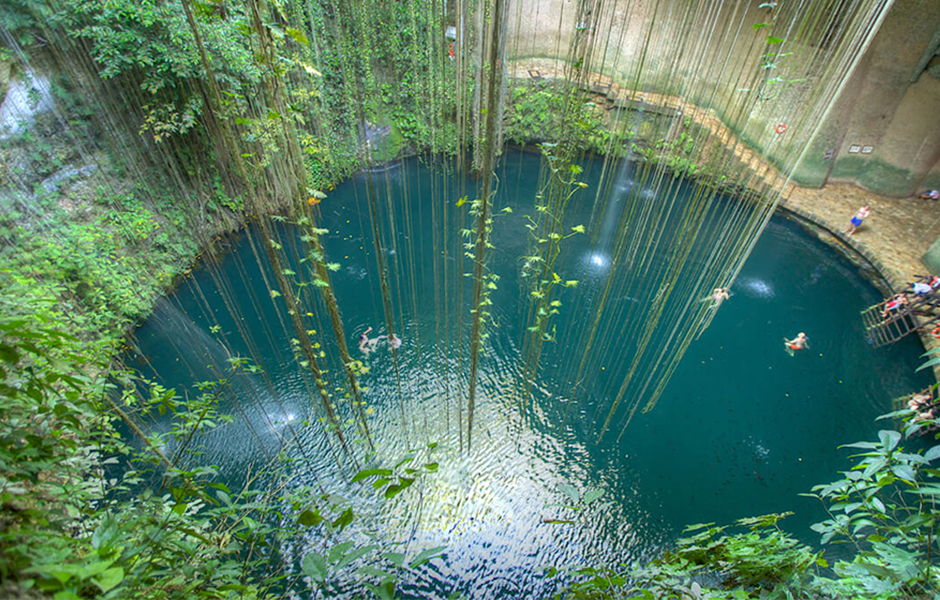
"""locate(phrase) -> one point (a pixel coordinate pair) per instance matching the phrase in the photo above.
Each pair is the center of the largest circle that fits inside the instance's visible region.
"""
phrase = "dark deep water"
(741, 429)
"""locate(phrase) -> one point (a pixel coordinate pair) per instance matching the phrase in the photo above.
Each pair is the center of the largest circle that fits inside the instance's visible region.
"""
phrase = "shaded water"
(741, 429)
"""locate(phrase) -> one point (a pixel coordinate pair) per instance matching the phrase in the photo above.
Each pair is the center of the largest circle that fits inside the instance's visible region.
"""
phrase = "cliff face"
(885, 130)
(882, 134)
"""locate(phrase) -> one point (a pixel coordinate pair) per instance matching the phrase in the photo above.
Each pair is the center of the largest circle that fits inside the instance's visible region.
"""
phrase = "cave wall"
(883, 133)
(885, 128)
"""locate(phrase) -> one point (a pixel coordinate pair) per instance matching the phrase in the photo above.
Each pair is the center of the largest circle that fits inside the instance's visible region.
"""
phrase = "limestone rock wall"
(883, 133)
(886, 128)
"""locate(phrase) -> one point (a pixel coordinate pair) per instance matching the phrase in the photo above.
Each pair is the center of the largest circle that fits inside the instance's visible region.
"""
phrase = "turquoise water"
(741, 429)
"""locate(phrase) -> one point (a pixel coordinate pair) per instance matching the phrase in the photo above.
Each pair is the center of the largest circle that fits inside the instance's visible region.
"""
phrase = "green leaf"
(314, 565)
(109, 579)
(929, 363)
(933, 453)
(759, 25)
(351, 557)
(395, 558)
(337, 551)
(774, 40)
(344, 519)
(570, 491)
(297, 36)
(874, 466)
(876, 570)
(427, 555)
(106, 533)
(374, 572)
(365, 473)
(310, 518)
(904, 472)
(384, 591)
(862, 445)
(592, 495)
(889, 438)
(9, 354)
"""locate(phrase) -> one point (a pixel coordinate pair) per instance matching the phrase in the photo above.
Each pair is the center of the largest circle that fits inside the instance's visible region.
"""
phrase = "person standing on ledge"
(860, 215)
(931, 195)
(797, 343)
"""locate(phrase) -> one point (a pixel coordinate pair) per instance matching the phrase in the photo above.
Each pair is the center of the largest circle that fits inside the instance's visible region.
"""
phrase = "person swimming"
(395, 341)
(367, 344)
(798, 343)
(719, 295)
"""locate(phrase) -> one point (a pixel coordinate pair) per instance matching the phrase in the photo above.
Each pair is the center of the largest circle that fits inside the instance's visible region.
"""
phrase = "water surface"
(741, 429)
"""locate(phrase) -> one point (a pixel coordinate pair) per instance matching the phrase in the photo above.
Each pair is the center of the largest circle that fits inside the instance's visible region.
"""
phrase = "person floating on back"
(860, 215)
(798, 343)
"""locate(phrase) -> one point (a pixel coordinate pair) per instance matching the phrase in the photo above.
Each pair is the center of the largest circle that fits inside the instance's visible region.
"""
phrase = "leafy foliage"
(884, 508)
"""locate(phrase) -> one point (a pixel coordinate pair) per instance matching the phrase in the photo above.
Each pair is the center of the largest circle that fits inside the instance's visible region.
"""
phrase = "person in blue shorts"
(860, 215)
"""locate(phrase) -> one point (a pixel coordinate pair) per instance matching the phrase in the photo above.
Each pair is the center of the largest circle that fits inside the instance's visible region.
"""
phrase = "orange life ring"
(781, 127)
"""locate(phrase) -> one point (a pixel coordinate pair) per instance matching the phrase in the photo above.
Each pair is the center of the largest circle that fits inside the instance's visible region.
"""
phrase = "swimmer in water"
(718, 296)
(798, 343)
(367, 344)
(395, 341)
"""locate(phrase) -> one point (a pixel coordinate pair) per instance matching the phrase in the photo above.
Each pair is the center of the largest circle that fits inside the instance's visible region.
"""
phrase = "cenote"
(741, 429)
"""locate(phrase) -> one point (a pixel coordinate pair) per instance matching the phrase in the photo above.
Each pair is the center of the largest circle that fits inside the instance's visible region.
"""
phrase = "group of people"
(924, 405)
(368, 345)
(800, 342)
(922, 290)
